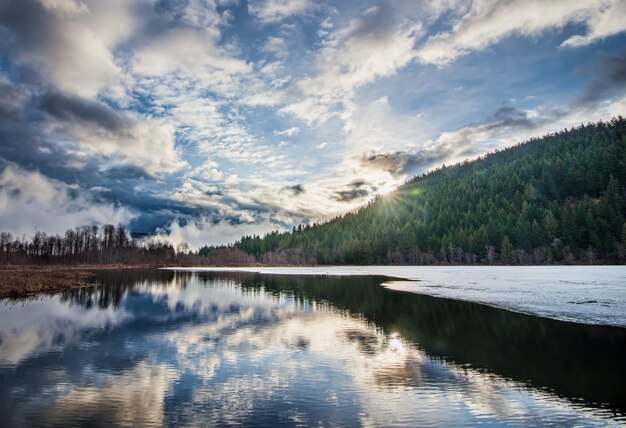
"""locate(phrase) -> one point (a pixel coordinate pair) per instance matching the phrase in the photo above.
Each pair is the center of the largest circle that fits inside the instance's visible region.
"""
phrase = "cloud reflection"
(218, 352)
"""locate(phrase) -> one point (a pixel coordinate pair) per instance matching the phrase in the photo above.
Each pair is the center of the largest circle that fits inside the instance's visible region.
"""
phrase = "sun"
(386, 188)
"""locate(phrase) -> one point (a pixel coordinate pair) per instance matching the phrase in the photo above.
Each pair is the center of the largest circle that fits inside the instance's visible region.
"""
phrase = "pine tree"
(507, 252)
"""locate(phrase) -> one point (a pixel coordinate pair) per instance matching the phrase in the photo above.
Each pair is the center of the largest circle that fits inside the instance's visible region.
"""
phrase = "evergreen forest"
(555, 199)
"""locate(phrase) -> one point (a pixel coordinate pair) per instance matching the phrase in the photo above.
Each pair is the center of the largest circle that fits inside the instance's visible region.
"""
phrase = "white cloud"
(312, 111)
(289, 132)
(499, 132)
(206, 232)
(145, 142)
(78, 61)
(276, 46)
(72, 41)
(183, 88)
(488, 21)
(70, 7)
(376, 127)
(29, 200)
(271, 11)
(606, 22)
(382, 100)
(377, 44)
(269, 98)
(191, 53)
(207, 171)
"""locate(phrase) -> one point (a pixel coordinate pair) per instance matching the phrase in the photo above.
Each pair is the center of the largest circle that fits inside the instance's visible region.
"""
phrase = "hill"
(555, 199)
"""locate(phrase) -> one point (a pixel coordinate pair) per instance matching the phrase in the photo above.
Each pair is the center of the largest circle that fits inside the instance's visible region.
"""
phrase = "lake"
(189, 348)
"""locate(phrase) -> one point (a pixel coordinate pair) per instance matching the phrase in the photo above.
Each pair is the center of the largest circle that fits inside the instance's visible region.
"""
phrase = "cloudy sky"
(209, 119)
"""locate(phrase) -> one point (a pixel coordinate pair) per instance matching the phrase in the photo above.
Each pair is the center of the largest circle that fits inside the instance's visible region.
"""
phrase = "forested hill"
(559, 198)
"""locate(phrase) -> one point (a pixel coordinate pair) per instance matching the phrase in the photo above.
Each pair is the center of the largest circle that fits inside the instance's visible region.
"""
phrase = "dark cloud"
(24, 143)
(128, 172)
(356, 189)
(509, 117)
(350, 195)
(11, 101)
(295, 190)
(70, 108)
(610, 78)
(400, 163)
(29, 104)
(28, 24)
(358, 183)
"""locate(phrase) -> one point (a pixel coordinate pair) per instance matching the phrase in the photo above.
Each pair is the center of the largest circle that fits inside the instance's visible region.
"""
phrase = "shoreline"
(19, 281)
(578, 294)
(22, 281)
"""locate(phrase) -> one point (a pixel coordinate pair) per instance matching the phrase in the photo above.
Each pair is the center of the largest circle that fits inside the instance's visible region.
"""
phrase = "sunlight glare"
(395, 342)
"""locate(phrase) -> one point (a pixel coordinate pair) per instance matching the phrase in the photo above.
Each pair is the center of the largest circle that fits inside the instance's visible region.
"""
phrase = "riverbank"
(18, 281)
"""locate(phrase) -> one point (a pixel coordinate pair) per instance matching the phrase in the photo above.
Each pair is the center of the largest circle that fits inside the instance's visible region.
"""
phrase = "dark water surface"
(155, 348)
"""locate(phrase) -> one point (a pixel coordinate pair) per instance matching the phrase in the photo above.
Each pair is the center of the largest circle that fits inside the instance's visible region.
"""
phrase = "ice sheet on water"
(584, 294)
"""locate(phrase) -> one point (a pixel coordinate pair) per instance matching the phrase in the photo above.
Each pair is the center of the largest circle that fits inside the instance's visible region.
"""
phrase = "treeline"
(555, 199)
(108, 244)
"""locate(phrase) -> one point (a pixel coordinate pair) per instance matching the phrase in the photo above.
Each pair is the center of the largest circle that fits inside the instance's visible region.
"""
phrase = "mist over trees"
(555, 199)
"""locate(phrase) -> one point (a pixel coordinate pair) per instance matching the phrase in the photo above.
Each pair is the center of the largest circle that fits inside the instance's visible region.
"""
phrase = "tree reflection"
(111, 285)
(574, 360)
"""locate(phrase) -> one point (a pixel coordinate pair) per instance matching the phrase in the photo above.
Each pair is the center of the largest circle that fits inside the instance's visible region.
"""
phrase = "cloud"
(355, 191)
(33, 139)
(268, 98)
(296, 189)
(12, 99)
(207, 171)
(86, 128)
(70, 7)
(276, 46)
(69, 108)
(507, 125)
(148, 143)
(377, 44)
(29, 200)
(606, 22)
(350, 195)
(189, 52)
(155, 107)
(272, 11)
(488, 22)
(127, 172)
(206, 232)
(508, 116)
(289, 132)
(609, 80)
(399, 164)
(64, 52)
(69, 53)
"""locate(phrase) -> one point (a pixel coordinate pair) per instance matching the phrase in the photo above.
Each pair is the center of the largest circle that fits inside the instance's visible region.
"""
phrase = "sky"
(206, 120)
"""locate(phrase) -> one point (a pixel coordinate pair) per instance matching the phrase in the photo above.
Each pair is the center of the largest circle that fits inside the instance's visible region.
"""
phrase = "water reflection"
(174, 348)
(574, 360)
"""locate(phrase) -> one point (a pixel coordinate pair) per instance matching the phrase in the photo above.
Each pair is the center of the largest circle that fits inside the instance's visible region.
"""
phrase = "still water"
(164, 348)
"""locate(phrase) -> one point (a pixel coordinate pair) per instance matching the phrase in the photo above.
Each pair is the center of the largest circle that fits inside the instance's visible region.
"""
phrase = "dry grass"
(20, 280)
